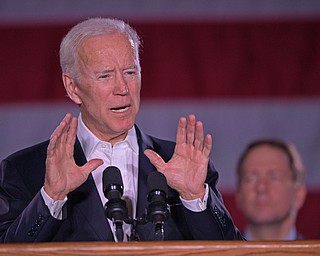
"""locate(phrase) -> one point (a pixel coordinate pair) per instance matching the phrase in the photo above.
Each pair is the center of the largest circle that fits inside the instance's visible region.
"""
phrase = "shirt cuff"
(55, 207)
(197, 205)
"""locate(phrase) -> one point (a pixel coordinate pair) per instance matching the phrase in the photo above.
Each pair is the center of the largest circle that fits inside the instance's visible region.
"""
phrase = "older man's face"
(109, 86)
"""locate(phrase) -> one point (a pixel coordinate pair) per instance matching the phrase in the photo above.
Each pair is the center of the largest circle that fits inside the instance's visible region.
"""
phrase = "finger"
(207, 145)
(66, 122)
(181, 131)
(61, 128)
(51, 146)
(155, 159)
(55, 137)
(191, 129)
(91, 165)
(72, 132)
(199, 136)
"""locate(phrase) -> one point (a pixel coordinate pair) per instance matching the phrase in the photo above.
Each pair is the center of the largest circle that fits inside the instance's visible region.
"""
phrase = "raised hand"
(62, 173)
(187, 169)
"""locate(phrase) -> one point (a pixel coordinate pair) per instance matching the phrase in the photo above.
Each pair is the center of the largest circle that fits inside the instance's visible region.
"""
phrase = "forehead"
(266, 156)
(104, 44)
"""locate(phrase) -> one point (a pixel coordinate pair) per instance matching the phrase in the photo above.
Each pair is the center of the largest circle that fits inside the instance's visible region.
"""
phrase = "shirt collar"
(292, 235)
(89, 141)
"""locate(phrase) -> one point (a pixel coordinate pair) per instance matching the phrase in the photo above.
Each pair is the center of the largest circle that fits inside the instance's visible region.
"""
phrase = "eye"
(250, 178)
(104, 76)
(130, 72)
(275, 177)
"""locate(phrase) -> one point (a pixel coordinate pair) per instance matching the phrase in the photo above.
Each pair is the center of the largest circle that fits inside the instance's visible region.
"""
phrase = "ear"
(71, 88)
(301, 193)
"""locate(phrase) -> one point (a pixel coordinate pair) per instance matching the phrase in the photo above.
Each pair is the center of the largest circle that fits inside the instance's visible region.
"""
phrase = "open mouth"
(120, 110)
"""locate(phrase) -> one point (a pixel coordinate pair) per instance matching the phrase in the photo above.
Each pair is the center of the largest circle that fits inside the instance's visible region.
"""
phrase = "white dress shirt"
(123, 155)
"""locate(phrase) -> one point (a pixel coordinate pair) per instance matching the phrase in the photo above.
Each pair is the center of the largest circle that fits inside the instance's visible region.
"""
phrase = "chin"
(124, 128)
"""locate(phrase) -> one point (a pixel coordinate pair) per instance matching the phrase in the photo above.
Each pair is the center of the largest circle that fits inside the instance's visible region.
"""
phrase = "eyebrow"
(104, 71)
(134, 66)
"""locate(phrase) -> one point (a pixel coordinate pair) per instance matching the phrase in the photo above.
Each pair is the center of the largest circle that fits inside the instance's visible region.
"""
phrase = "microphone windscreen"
(157, 181)
(111, 176)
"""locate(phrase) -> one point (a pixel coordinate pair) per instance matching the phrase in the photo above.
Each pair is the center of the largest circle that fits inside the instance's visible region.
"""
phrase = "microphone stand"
(116, 210)
(119, 231)
(159, 232)
(157, 213)
(134, 236)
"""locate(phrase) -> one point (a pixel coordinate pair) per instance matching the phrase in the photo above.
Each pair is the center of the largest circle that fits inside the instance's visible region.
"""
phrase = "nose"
(261, 185)
(121, 87)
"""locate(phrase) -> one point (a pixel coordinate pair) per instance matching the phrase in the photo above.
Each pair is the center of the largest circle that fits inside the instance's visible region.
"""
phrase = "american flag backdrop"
(247, 69)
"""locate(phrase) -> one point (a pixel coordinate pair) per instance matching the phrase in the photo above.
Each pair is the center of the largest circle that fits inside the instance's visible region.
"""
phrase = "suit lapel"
(86, 201)
(145, 168)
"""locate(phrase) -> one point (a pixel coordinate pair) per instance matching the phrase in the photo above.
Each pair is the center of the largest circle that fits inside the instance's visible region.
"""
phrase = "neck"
(270, 231)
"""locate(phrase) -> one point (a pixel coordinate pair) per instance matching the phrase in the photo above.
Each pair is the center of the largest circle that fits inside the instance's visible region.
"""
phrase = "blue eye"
(131, 72)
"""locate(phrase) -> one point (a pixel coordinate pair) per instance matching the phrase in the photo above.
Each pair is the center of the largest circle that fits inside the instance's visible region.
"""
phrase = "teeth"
(119, 110)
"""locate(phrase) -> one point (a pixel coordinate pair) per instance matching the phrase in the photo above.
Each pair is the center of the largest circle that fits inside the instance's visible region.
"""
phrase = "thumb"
(91, 165)
(155, 159)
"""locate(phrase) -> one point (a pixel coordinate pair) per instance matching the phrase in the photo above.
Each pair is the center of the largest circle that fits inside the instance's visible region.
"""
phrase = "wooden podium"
(198, 248)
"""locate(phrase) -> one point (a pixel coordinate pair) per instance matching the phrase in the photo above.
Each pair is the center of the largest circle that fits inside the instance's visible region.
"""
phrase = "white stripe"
(232, 123)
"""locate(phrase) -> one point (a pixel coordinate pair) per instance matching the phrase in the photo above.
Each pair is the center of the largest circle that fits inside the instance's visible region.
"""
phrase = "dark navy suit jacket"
(25, 218)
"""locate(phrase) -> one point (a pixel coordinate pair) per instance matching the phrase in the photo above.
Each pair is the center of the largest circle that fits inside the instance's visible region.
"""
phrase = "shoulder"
(35, 151)
(25, 161)
(25, 168)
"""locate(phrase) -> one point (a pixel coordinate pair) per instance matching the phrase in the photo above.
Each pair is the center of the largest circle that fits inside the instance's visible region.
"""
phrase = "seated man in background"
(270, 190)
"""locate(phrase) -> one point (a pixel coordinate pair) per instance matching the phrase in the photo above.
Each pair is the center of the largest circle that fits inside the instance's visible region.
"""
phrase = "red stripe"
(179, 60)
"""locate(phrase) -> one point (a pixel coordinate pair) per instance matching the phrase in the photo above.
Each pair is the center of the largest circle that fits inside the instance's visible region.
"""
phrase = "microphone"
(115, 209)
(157, 210)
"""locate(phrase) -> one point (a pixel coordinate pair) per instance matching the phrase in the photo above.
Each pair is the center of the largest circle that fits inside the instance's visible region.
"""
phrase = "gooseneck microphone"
(115, 209)
(157, 210)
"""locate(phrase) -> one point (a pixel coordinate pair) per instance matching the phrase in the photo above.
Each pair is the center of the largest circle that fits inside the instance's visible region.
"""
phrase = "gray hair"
(89, 28)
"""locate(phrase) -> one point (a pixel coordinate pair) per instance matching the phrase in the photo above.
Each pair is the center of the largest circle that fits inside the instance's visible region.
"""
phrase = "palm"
(187, 169)
(192, 161)
(62, 173)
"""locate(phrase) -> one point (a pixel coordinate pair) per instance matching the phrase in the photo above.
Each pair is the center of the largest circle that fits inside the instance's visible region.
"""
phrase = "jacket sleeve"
(215, 223)
(23, 217)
